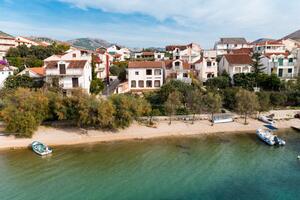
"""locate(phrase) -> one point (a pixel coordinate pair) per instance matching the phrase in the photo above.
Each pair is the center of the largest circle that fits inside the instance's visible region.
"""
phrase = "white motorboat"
(268, 137)
(267, 120)
(40, 148)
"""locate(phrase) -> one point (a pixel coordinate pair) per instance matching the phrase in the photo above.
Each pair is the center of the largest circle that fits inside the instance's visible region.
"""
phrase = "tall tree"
(246, 103)
(256, 63)
(172, 104)
(194, 102)
(213, 103)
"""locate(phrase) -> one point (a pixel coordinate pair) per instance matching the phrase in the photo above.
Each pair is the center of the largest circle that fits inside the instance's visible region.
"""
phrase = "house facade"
(119, 53)
(5, 72)
(29, 42)
(269, 46)
(224, 45)
(235, 64)
(179, 70)
(207, 66)
(281, 64)
(190, 53)
(6, 42)
(145, 75)
(69, 71)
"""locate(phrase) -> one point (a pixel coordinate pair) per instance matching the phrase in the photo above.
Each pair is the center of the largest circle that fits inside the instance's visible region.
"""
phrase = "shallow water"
(210, 167)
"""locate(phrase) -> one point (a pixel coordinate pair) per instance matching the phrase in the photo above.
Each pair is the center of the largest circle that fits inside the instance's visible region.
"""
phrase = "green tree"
(172, 104)
(246, 103)
(96, 86)
(256, 64)
(24, 111)
(220, 82)
(246, 81)
(213, 103)
(17, 81)
(278, 99)
(194, 102)
(264, 101)
(172, 86)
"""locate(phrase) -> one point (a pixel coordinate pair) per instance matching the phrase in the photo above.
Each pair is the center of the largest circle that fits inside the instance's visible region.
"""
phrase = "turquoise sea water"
(210, 167)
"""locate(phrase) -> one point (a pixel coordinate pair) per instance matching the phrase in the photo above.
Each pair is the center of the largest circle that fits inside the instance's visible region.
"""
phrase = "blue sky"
(144, 23)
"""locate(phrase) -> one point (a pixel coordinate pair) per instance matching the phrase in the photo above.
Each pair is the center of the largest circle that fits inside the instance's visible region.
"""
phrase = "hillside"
(46, 39)
(5, 34)
(89, 43)
(294, 35)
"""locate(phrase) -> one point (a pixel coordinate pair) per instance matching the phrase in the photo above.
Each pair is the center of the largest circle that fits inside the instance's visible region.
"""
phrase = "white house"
(224, 45)
(269, 46)
(20, 40)
(69, 71)
(179, 70)
(291, 44)
(207, 66)
(5, 71)
(145, 75)
(282, 64)
(103, 62)
(235, 63)
(37, 73)
(6, 42)
(119, 53)
(190, 53)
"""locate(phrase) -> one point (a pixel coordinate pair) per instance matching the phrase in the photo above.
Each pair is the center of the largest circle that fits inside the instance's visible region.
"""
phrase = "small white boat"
(40, 148)
(298, 157)
(268, 137)
(222, 118)
(267, 120)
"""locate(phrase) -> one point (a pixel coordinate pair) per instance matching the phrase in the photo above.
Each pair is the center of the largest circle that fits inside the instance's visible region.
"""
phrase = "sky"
(151, 23)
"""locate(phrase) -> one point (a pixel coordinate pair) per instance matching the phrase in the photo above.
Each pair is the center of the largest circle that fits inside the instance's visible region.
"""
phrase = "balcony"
(69, 72)
(287, 76)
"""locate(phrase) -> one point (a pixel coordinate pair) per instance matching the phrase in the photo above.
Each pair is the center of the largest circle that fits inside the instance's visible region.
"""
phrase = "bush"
(24, 111)
(16, 81)
(228, 96)
(278, 99)
(97, 86)
(220, 82)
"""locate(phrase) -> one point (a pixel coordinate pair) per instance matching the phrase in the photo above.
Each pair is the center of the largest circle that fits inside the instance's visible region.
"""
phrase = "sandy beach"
(71, 136)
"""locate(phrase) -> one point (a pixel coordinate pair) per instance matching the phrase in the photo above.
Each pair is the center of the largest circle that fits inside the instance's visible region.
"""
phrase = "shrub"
(278, 99)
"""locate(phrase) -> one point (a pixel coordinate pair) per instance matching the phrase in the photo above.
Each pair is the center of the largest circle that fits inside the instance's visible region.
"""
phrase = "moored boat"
(40, 148)
(268, 137)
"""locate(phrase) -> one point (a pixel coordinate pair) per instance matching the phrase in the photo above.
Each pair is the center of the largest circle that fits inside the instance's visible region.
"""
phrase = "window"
(75, 83)
(208, 64)
(136, 73)
(74, 55)
(185, 75)
(149, 84)
(280, 61)
(62, 68)
(280, 72)
(157, 72)
(133, 84)
(291, 60)
(290, 70)
(156, 83)
(177, 57)
(149, 72)
(158, 56)
(177, 64)
(141, 84)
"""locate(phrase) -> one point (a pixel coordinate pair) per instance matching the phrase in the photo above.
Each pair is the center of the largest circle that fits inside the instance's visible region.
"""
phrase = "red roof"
(285, 54)
(173, 47)
(169, 64)
(72, 64)
(241, 51)
(145, 64)
(148, 53)
(269, 42)
(38, 70)
(239, 59)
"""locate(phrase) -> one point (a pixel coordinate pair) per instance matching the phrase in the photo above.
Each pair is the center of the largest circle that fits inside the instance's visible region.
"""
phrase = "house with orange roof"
(190, 52)
(69, 71)
(20, 40)
(5, 72)
(6, 42)
(225, 45)
(235, 64)
(269, 46)
(207, 65)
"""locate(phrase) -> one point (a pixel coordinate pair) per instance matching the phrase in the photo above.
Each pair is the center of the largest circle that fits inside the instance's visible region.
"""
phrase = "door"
(62, 69)
(280, 72)
(75, 83)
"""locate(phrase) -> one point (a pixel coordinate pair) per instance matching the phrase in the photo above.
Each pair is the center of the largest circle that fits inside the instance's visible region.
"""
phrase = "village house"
(190, 53)
(69, 71)
(119, 53)
(179, 70)
(5, 72)
(29, 42)
(207, 66)
(224, 45)
(145, 75)
(235, 64)
(291, 44)
(6, 42)
(281, 64)
(269, 46)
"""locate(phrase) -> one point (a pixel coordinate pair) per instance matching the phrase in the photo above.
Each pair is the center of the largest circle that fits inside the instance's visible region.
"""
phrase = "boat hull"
(40, 148)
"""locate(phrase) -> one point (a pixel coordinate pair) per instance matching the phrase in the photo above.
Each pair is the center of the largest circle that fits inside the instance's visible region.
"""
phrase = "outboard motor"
(276, 140)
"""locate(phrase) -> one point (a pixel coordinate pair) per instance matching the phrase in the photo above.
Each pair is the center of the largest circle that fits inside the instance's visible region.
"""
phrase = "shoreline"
(73, 136)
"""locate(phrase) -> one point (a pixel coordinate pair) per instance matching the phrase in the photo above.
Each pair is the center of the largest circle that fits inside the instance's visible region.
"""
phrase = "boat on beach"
(268, 137)
(267, 119)
(297, 128)
(40, 148)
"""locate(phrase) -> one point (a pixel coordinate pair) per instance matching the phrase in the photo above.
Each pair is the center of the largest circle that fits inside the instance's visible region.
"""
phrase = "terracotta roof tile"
(145, 64)
(38, 70)
(72, 64)
(235, 59)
